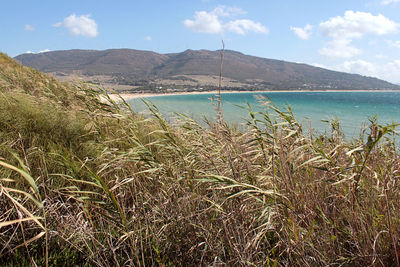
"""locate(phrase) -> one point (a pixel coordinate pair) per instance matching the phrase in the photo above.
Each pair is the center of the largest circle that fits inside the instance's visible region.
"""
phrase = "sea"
(314, 110)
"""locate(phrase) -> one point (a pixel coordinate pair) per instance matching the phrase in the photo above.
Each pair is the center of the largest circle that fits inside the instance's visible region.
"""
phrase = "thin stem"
(220, 82)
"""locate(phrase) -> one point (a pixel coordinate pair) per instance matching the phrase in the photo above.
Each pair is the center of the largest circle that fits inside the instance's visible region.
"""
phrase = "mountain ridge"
(139, 70)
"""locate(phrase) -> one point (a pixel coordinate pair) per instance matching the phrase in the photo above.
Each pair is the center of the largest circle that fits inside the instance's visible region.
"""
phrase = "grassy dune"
(89, 182)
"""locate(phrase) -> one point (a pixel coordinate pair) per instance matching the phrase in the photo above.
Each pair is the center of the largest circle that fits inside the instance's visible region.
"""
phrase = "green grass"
(85, 181)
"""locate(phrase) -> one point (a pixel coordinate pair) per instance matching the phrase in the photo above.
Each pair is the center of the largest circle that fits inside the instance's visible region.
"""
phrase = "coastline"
(128, 96)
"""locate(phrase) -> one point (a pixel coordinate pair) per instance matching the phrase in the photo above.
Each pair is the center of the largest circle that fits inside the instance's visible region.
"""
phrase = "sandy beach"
(145, 95)
(128, 96)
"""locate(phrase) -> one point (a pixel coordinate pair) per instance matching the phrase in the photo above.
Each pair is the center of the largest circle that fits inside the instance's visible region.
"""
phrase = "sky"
(356, 36)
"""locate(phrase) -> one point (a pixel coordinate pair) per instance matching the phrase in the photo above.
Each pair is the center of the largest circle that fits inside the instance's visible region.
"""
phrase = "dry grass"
(91, 183)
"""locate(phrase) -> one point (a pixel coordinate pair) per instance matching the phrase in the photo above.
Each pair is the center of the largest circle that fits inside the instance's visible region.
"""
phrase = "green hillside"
(84, 181)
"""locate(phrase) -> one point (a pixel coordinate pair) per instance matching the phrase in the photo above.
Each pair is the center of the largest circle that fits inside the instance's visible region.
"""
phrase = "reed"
(86, 181)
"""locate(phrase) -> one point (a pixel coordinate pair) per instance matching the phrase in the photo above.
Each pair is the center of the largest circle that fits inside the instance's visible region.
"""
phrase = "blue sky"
(357, 36)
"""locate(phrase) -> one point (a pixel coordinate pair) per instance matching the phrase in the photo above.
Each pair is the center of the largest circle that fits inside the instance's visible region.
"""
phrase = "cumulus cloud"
(381, 56)
(224, 11)
(241, 26)
(353, 25)
(41, 51)
(389, 71)
(79, 25)
(318, 65)
(212, 22)
(356, 24)
(29, 27)
(393, 43)
(358, 66)
(204, 22)
(303, 33)
(340, 48)
(387, 2)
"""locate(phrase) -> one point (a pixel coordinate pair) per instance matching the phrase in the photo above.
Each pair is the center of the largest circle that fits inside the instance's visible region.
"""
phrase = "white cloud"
(358, 66)
(393, 43)
(41, 51)
(356, 24)
(79, 25)
(148, 38)
(318, 65)
(339, 49)
(381, 56)
(303, 33)
(211, 22)
(204, 22)
(224, 11)
(387, 2)
(353, 25)
(241, 26)
(29, 27)
(388, 71)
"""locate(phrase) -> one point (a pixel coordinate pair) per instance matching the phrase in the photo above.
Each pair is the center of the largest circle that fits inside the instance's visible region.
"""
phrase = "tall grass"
(86, 181)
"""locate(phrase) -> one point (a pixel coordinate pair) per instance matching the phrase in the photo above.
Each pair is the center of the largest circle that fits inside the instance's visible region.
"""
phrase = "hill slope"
(145, 69)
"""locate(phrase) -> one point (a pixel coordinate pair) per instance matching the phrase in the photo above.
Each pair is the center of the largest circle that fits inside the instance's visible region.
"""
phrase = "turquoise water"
(310, 108)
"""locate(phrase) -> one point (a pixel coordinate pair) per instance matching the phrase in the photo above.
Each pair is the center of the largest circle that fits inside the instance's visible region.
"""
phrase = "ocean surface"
(311, 109)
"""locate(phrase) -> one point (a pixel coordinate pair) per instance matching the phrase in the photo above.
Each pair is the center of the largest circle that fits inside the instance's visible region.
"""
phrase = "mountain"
(128, 69)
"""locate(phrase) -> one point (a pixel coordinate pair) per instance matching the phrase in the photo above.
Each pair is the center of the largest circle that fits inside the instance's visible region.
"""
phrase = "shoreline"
(128, 96)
